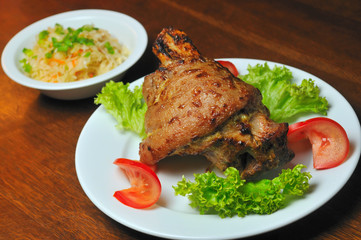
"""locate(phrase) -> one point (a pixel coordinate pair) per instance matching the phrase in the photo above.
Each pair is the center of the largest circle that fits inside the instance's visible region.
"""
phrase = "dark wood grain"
(40, 195)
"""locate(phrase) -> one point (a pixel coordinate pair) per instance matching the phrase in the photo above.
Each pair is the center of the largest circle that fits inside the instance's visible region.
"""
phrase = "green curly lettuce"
(285, 99)
(232, 196)
(125, 105)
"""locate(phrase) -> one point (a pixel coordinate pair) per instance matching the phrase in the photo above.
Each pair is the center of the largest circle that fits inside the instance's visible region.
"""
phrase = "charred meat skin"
(197, 107)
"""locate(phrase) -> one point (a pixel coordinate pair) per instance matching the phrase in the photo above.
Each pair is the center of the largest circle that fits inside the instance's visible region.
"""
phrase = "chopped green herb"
(59, 29)
(89, 28)
(49, 54)
(28, 52)
(109, 48)
(87, 54)
(26, 66)
(70, 39)
(85, 41)
(43, 35)
(62, 46)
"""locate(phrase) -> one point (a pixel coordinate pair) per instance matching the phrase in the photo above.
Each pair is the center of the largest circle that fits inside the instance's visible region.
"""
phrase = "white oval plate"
(100, 143)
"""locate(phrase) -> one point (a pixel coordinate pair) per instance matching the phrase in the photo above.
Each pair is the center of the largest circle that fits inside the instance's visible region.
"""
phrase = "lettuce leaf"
(284, 99)
(126, 106)
(232, 196)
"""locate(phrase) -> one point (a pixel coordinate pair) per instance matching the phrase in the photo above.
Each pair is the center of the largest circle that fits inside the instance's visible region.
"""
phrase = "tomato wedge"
(230, 67)
(145, 185)
(330, 144)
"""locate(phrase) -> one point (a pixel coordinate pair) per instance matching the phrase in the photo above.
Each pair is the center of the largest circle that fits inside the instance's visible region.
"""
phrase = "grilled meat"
(197, 107)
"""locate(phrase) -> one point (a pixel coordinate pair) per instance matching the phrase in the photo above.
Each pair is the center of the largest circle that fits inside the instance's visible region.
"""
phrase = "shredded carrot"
(56, 60)
(74, 62)
(77, 53)
(53, 77)
(77, 74)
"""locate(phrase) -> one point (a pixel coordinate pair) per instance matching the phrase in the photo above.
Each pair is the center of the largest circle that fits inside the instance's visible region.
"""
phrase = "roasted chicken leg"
(197, 107)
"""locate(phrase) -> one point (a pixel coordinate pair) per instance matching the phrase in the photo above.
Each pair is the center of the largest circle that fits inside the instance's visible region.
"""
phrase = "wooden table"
(40, 195)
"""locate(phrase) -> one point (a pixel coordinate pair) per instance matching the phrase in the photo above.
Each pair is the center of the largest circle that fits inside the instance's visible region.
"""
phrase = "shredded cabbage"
(66, 54)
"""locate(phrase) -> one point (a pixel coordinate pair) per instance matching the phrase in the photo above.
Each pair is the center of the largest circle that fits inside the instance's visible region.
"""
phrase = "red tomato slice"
(330, 144)
(145, 185)
(230, 67)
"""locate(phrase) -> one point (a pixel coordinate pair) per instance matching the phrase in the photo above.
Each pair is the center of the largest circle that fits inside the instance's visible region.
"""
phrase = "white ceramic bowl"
(128, 31)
